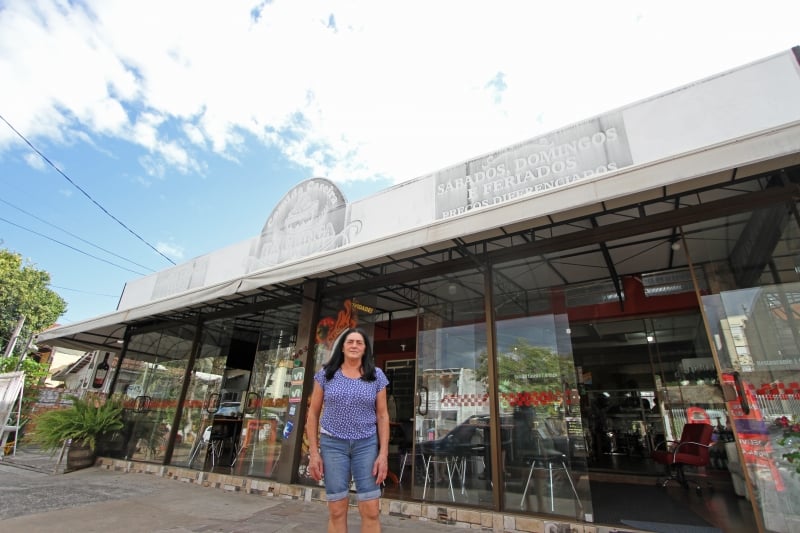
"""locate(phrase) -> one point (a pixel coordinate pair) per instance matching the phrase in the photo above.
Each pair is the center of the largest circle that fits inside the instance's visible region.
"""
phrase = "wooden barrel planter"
(79, 455)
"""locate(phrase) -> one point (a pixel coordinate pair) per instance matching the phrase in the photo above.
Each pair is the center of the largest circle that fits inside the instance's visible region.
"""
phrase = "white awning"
(760, 150)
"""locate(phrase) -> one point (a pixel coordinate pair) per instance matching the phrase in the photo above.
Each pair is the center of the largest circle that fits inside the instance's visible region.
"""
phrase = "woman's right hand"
(315, 468)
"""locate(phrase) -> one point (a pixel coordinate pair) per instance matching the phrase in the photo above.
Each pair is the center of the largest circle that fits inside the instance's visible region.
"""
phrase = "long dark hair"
(337, 356)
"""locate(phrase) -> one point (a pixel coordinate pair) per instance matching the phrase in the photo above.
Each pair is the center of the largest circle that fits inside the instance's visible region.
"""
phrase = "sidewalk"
(32, 458)
(96, 499)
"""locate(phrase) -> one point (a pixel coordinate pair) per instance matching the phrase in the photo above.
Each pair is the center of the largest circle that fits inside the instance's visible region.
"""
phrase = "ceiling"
(588, 257)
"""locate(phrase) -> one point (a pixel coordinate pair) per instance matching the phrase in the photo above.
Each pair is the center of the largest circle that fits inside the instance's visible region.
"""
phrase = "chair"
(440, 452)
(546, 457)
(208, 441)
(439, 458)
(406, 454)
(405, 447)
(693, 449)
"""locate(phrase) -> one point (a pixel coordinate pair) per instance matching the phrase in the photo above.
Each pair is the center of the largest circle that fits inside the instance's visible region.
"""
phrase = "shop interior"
(638, 378)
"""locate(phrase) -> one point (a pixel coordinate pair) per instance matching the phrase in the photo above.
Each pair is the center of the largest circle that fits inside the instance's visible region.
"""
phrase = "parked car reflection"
(232, 409)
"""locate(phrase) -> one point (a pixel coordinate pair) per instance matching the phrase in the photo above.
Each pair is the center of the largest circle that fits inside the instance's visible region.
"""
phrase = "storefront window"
(451, 422)
(237, 399)
(751, 309)
(430, 340)
(194, 446)
(267, 404)
(544, 446)
(149, 383)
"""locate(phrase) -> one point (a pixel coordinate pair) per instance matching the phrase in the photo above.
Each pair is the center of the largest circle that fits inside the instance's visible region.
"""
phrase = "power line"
(84, 292)
(70, 246)
(44, 157)
(73, 235)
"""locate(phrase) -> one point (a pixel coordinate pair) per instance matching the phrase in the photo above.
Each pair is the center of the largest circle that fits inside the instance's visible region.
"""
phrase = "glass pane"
(266, 404)
(751, 263)
(452, 434)
(758, 342)
(686, 383)
(203, 398)
(150, 382)
(544, 454)
(237, 399)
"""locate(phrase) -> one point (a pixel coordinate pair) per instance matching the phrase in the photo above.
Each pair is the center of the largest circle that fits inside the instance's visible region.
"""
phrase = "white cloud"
(355, 90)
(194, 134)
(144, 182)
(34, 161)
(152, 166)
(172, 251)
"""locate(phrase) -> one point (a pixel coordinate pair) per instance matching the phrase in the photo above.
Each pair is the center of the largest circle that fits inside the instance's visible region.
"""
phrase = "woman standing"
(353, 431)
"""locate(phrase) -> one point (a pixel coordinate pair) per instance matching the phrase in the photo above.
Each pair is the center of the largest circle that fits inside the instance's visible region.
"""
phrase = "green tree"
(526, 369)
(24, 292)
(34, 371)
(522, 363)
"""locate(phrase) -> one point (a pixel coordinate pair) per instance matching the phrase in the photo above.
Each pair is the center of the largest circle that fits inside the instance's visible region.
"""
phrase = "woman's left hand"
(380, 469)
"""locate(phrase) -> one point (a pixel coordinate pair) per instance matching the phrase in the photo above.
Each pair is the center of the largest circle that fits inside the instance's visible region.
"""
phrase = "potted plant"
(79, 427)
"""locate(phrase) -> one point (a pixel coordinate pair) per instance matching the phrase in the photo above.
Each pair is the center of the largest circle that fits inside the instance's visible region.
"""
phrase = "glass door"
(197, 445)
(751, 262)
(687, 389)
(265, 406)
(149, 384)
(757, 338)
(452, 445)
(544, 453)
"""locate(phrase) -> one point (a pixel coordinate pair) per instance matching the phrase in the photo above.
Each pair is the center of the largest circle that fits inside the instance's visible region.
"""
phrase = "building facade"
(566, 305)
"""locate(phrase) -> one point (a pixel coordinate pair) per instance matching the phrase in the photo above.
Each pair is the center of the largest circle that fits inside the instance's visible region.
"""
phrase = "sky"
(135, 135)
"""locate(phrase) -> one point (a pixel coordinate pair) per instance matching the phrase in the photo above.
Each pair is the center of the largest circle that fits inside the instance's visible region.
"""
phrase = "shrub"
(83, 421)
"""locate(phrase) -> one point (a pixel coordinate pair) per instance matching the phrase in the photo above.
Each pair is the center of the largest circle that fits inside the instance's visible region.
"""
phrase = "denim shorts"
(344, 459)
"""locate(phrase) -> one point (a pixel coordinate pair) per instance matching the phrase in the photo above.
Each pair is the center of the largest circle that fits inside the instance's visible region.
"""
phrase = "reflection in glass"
(543, 444)
(544, 455)
(752, 312)
(757, 338)
(149, 383)
(265, 406)
(452, 442)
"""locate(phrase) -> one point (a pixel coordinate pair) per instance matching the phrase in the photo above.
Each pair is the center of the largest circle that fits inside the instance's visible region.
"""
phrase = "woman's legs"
(337, 516)
(345, 460)
(364, 453)
(336, 460)
(362, 459)
(370, 511)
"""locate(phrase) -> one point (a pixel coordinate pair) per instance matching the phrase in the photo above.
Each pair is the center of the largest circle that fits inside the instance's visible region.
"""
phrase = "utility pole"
(14, 337)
